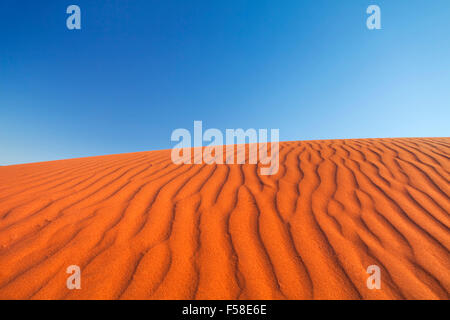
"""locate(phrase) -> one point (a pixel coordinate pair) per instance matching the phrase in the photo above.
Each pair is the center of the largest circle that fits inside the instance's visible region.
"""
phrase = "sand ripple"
(141, 227)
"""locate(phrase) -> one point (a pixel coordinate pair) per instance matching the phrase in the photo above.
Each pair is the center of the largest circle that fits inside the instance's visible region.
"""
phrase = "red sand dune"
(141, 227)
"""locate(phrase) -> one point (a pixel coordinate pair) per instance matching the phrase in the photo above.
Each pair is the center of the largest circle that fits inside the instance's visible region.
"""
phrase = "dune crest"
(141, 227)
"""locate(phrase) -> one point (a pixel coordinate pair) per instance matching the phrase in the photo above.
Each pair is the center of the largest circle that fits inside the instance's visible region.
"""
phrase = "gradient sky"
(140, 69)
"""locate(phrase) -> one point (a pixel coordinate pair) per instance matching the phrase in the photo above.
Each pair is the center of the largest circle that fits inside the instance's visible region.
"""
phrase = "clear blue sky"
(140, 69)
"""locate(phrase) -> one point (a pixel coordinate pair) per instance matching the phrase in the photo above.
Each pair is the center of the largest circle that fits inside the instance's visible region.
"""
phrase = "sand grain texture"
(141, 227)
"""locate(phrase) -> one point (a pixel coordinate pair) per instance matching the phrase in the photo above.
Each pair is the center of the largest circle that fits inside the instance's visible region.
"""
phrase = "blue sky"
(139, 69)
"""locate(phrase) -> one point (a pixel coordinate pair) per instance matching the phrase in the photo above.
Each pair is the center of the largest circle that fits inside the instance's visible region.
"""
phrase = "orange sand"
(141, 227)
